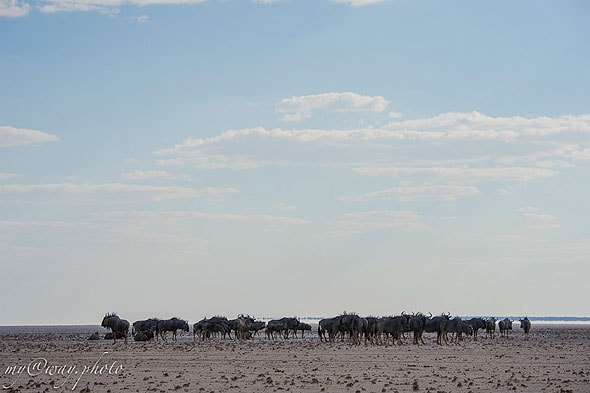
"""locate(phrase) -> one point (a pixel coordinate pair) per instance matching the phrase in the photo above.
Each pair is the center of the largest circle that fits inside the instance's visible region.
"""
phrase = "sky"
(194, 158)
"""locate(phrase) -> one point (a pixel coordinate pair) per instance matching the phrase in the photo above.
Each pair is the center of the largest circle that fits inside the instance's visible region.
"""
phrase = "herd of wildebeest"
(347, 326)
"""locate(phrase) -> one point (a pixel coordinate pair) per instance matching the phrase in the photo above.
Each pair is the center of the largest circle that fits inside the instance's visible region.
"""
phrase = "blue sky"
(192, 158)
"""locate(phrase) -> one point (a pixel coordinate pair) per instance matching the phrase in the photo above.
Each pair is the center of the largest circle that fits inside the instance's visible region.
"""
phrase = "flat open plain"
(555, 359)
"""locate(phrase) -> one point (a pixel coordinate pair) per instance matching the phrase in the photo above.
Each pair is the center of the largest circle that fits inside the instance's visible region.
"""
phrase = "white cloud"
(519, 174)
(299, 108)
(360, 222)
(141, 18)
(223, 217)
(415, 193)
(149, 175)
(12, 136)
(13, 8)
(358, 3)
(155, 193)
(458, 125)
(538, 220)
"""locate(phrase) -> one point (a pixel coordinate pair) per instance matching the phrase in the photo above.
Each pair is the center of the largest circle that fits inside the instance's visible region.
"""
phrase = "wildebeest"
(303, 327)
(117, 325)
(417, 324)
(148, 327)
(94, 336)
(243, 326)
(325, 326)
(171, 325)
(525, 324)
(476, 324)
(491, 327)
(437, 325)
(207, 327)
(282, 326)
(354, 325)
(394, 326)
(458, 327)
(143, 335)
(505, 325)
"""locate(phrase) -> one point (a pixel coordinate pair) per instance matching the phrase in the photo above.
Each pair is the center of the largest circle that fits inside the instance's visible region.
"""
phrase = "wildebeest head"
(108, 320)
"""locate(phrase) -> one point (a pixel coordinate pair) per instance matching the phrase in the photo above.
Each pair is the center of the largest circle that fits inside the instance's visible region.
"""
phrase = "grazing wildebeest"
(491, 327)
(171, 325)
(437, 325)
(525, 324)
(303, 327)
(119, 327)
(505, 325)
(476, 324)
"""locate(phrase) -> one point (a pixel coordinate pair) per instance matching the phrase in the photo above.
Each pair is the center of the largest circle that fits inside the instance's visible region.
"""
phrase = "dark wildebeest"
(458, 327)
(282, 326)
(171, 325)
(244, 326)
(371, 329)
(491, 327)
(325, 326)
(394, 326)
(303, 327)
(143, 335)
(117, 325)
(476, 324)
(255, 327)
(437, 325)
(525, 324)
(417, 324)
(354, 325)
(94, 336)
(148, 327)
(216, 325)
(505, 325)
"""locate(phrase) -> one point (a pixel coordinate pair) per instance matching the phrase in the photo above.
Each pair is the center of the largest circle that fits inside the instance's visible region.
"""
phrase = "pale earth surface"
(555, 359)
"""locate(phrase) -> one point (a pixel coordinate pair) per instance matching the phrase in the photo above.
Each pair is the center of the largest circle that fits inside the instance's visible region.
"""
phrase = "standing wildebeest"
(216, 325)
(171, 325)
(437, 325)
(394, 326)
(417, 324)
(525, 324)
(476, 324)
(491, 327)
(458, 327)
(505, 325)
(325, 326)
(354, 325)
(282, 326)
(117, 325)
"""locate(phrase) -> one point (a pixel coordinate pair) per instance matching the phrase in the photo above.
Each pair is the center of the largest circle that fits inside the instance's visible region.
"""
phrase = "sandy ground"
(555, 359)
